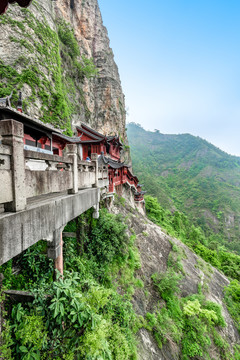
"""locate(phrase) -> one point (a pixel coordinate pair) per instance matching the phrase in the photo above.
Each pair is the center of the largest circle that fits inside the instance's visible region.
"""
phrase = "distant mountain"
(189, 174)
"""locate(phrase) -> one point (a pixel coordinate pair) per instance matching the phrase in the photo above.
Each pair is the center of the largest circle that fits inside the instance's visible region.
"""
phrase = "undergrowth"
(178, 225)
(81, 316)
(232, 300)
(88, 314)
(189, 325)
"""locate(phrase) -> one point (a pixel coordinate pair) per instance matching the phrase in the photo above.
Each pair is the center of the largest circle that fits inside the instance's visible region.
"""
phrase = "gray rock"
(99, 101)
(155, 246)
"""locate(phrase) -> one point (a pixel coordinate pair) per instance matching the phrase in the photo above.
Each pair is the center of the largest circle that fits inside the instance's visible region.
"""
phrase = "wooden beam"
(19, 296)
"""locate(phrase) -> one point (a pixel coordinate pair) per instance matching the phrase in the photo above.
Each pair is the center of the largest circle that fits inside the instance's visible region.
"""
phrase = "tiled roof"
(140, 193)
(84, 126)
(95, 137)
(28, 120)
(75, 140)
(112, 138)
(108, 161)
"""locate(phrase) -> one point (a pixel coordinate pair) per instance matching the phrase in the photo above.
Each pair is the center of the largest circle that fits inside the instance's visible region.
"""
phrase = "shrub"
(67, 37)
(232, 300)
(167, 283)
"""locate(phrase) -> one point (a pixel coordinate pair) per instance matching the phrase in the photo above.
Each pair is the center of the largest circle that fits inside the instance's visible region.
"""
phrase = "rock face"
(35, 59)
(104, 97)
(154, 246)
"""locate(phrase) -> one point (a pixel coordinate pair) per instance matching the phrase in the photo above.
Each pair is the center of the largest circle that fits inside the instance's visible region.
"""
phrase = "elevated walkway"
(42, 220)
(40, 193)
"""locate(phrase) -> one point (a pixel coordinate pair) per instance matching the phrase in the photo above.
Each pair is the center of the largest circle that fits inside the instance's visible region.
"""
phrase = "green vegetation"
(36, 269)
(88, 314)
(189, 174)
(202, 182)
(54, 74)
(178, 225)
(180, 315)
(67, 38)
(190, 325)
(81, 316)
(70, 48)
(232, 299)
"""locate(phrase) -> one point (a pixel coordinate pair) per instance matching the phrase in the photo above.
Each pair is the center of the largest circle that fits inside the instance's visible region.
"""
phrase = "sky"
(179, 64)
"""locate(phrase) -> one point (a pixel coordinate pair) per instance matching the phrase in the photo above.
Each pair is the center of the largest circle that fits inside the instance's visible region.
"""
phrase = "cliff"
(165, 335)
(58, 54)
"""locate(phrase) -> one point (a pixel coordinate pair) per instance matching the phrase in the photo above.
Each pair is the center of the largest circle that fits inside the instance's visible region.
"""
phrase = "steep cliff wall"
(45, 51)
(163, 254)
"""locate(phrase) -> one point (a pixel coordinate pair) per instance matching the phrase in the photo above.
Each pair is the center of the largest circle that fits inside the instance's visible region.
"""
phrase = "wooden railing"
(26, 174)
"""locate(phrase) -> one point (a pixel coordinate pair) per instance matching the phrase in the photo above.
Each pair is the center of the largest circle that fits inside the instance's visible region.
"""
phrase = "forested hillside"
(189, 174)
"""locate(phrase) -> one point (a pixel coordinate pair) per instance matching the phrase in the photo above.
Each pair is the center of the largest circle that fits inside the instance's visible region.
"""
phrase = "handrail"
(30, 174)
(29, 154)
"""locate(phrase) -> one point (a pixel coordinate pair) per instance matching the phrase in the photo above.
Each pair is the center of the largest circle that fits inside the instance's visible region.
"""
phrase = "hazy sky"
(179, 63)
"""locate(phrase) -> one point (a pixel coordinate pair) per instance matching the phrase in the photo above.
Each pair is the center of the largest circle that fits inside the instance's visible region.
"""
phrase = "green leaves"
(177, 224)
(23, 349)
(232, 300)
(77, 316)
(167, 283)
(192, 307)
(66, 36)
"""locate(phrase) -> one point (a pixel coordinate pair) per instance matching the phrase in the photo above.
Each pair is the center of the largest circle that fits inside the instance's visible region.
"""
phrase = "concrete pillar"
(94, 157)
(55, 249)
(72, 152)
(12, 135)
(96, 206)
(59, 260)
(96, 211)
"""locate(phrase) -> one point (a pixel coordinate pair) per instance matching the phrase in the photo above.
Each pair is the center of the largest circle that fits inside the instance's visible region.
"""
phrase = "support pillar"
(94, 157)
(96, 207)
(59, 260)
(96, 211)
(12, 135)
(72, 152)
(55, 250)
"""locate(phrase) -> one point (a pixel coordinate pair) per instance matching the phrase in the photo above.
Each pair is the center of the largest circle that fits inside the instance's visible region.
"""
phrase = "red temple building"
(118, 174)
(42, 137)
(139, 194)
(109, 150)
(114, 147)
(38, 136)
(94, 142)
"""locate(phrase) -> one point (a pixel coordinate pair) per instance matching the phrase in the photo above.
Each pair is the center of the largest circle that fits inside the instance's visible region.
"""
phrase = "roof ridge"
(92, 130)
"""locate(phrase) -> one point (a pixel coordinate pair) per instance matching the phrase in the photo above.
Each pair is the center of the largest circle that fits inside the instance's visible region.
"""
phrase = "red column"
(59, 259)
(55, 249)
